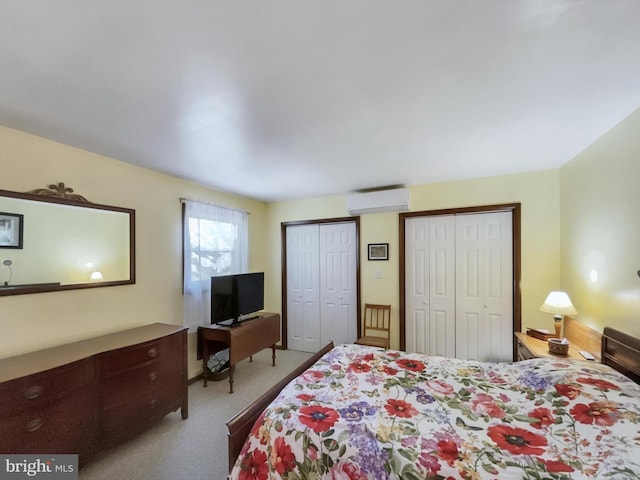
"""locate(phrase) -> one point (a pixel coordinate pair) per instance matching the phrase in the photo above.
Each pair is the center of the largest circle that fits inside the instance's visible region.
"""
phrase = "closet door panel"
(303, 295)
(417, 285)
(430, 285)
(442, 285)
(338, 290)
(484, 295)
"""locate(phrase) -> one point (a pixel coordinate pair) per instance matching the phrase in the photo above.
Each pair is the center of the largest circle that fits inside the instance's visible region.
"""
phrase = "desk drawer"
(523, 352)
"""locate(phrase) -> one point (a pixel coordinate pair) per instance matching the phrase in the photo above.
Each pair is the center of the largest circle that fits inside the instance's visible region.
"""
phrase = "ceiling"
(283, 99)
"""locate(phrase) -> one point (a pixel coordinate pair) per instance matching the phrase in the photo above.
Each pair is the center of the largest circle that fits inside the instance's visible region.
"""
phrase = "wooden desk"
(243, 341)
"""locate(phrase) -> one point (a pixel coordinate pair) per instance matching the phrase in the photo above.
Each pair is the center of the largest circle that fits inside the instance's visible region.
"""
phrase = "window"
(215, 243)
(212, 247)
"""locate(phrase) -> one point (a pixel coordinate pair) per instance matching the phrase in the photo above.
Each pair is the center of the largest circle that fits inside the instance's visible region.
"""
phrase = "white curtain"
(216, 242)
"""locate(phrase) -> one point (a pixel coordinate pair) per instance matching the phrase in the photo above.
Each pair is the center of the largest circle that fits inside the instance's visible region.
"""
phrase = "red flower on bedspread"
(400, 408)
(254, 466)
(345, 471)
(543, 417)
(283, 458)
(600, 413)
(448, 451)
(440, 387)
(598, 383)
(312, 376)
(569, 391)
(555, 466)
(484, 404)
(318, 418)
(517, 440)
(359, 367)
(410, 364)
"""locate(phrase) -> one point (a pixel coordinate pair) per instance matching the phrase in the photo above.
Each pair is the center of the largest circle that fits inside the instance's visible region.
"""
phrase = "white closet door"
(303, 294)
(338, 299)
(484, 287)
(430, 285)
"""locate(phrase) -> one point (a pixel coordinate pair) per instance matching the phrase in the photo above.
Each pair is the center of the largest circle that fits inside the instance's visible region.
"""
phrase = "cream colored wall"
(537, 192)
(600, 220)
(31, 322)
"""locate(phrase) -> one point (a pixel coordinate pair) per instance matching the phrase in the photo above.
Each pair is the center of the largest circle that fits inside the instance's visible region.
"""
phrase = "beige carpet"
(195, 448)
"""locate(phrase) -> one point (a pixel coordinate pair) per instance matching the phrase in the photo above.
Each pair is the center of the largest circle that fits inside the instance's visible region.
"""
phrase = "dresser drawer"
(132, 384)
(131, 357)
(36, 391)
(143, 409)
(67, 419)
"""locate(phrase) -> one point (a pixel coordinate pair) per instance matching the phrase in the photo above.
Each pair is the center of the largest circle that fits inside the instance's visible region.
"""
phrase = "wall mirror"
(52, 239)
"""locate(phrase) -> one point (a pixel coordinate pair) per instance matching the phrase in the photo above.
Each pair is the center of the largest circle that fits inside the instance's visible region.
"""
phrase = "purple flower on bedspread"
(535, 380)
(369, 456)
(356, 411)
(421, 395)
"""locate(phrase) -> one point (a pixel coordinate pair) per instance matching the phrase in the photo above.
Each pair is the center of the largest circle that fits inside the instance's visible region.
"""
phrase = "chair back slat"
(377, 318)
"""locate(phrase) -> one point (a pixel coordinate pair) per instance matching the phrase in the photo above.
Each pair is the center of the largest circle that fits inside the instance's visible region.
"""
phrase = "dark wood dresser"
(86, 396)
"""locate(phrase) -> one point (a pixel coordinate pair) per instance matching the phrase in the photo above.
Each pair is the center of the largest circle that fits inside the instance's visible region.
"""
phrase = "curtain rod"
(204, 202)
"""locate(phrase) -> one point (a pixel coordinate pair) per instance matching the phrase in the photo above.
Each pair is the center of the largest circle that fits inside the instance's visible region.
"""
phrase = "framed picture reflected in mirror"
(11, 228)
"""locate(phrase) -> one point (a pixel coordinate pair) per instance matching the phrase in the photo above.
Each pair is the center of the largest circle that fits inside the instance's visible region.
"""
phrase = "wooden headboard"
(622, 352)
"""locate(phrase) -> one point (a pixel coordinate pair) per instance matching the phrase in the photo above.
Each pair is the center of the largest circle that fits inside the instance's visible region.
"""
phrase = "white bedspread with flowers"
(367, 413)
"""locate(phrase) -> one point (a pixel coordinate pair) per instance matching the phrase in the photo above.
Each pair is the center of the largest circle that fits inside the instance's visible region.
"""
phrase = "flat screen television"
(234, 296)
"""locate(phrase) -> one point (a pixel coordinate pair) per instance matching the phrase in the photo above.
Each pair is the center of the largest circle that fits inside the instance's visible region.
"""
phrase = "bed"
(354, 412)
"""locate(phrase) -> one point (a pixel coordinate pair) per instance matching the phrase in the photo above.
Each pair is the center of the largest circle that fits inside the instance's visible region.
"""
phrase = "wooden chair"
(376, 326)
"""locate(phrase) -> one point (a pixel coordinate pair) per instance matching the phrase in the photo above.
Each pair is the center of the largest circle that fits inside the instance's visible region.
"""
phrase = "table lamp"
(560, 305)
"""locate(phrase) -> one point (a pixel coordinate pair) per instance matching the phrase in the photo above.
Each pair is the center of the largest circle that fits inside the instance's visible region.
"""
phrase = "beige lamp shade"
(558, 303)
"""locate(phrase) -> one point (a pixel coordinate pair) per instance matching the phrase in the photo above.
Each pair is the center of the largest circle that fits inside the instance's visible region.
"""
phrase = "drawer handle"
(152, 352)
(152, 403)
(33, 392)
(153, 376)
(35, 424)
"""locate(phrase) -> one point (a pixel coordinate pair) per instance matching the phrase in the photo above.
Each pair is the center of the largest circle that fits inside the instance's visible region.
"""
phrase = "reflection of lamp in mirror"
(95, 276)
(8, 263)
(560, 305)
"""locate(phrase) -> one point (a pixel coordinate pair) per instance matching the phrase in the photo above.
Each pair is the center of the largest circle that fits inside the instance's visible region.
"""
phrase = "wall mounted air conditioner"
(393, 200)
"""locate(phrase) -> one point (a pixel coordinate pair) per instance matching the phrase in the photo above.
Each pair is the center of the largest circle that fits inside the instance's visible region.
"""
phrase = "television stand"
(243, 340)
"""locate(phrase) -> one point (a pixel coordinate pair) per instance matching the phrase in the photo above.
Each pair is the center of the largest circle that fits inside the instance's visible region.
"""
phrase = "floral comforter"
(365, 413)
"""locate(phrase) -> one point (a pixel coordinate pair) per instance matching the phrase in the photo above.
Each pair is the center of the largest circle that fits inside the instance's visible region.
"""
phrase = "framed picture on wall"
(11, 226)
(378, 251)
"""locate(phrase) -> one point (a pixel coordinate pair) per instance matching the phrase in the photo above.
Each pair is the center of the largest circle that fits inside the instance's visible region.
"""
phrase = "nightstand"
(529, 347)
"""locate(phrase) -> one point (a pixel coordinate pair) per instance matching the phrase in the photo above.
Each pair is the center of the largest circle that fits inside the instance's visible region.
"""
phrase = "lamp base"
(557, 324)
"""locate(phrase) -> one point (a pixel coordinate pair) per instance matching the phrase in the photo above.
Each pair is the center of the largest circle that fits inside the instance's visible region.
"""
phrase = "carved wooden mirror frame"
(61, 195)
